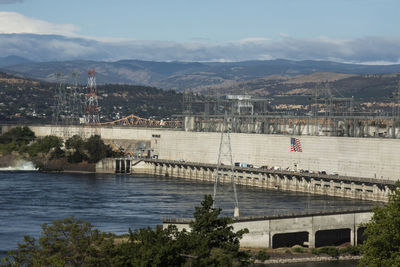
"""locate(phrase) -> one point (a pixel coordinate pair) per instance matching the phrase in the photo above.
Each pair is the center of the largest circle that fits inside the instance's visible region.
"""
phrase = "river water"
(115, 203)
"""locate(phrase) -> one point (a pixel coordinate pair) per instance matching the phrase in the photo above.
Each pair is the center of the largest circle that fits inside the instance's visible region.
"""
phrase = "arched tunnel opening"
(289, 239)
(332, 237)
(361, 237)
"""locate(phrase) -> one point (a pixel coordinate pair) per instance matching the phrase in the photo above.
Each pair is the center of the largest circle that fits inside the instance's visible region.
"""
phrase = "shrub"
(352, 250)
(315, 251)
(330, 250)
(262, 256)
(298, 249)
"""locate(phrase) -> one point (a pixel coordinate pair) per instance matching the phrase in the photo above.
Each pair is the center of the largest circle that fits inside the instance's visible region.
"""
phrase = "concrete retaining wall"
(263, 229)
(359, 157)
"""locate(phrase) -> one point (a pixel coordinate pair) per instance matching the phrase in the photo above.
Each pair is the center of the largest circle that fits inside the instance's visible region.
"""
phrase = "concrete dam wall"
(349, 156)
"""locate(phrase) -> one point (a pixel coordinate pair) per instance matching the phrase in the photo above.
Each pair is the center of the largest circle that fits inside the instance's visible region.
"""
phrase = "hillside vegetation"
(27, 100)
(181, 75)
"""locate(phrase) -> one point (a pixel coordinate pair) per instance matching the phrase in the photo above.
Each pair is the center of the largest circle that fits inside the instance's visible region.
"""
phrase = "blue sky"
(221, 22)
(218, 20)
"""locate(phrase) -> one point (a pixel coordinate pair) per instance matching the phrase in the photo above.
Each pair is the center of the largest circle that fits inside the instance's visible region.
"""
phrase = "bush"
(262, 256)
(315, 251)
(352, 250)
(298, 249)
(330, 250)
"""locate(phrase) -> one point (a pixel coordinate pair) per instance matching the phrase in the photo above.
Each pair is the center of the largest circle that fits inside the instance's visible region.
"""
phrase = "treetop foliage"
(76, 150)
(382, 247)
(18, 134)
(73, 242)
(92, 149)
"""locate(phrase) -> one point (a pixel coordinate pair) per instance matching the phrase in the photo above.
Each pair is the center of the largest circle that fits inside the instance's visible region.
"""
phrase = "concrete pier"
(306, 229)
(322, 184)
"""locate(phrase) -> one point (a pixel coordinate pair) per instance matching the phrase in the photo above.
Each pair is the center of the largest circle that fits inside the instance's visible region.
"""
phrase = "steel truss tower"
(225, 159)
(92, 117)
(58, 117)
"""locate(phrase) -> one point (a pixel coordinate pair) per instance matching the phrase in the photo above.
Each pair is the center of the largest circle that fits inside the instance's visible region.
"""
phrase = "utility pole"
(225, 159)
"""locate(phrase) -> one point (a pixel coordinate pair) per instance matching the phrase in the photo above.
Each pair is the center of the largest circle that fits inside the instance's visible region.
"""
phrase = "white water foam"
(21, 165)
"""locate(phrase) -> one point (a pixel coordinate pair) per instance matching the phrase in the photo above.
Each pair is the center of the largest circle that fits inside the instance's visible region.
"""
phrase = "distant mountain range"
(13, 60)
(183, 75)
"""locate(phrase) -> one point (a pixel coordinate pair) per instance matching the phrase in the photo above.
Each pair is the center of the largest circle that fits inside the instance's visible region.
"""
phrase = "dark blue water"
(115, 203)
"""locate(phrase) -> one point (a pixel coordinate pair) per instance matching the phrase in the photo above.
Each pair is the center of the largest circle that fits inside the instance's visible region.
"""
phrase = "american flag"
(295, 145)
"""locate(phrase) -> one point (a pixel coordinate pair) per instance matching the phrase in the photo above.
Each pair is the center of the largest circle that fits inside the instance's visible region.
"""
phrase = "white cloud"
(41, 40)
(253, 40)
(12, 22)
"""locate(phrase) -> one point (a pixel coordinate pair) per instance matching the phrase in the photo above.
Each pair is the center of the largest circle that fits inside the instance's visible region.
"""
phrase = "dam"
(375, 158)
(313, 183)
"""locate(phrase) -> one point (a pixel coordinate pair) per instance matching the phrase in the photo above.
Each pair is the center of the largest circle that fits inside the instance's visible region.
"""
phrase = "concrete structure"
(376, 158)
(331, 185)
(306, 229)
(329, 125)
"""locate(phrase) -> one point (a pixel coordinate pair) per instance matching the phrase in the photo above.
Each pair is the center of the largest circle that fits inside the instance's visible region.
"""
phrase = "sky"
(338, 30)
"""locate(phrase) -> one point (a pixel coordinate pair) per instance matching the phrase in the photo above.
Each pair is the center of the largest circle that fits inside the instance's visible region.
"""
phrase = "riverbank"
(8, 160)
(298, 254)
(62, 165)
(309, 259)
(16, 161)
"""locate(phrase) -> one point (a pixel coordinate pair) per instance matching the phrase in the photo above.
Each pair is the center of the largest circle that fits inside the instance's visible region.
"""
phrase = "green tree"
(96, 149)
(22, 135)
(382, 247)
(75, 142)
(71, 242)
(77, 145)
(212, 238)
(16, 139)
(68, 242)
(45, 144)
(148, 247)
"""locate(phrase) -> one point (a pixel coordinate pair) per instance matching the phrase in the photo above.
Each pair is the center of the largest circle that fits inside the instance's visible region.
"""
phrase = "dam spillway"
(374, 158)
(312, 183)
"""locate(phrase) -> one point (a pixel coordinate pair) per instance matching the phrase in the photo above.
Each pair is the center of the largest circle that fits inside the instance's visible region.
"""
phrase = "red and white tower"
(92, 117)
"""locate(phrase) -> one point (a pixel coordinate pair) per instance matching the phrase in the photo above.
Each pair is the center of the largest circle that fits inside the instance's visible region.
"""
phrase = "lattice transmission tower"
(76, 100)
(225, 159)
(396, 102)
(92, 117)
(58, 117)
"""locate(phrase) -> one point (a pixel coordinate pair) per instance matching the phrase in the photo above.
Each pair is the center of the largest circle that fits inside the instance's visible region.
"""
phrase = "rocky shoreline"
(45, 165)
(8, 160)
(315, 258)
